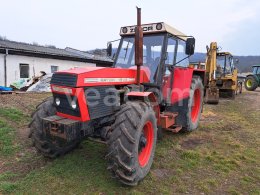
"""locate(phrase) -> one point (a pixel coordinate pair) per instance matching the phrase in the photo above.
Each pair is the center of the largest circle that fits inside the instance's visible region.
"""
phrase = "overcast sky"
(85, 25)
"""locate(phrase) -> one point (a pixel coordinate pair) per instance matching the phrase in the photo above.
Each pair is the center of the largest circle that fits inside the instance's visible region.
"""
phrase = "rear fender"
(148, 97)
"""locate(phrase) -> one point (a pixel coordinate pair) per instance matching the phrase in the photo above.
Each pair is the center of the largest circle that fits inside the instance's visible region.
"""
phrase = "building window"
(24, 71)
(54, 69)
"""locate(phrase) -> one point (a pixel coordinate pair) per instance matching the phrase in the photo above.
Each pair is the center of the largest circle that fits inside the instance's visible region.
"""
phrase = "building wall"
(35, 66)
(2, 78)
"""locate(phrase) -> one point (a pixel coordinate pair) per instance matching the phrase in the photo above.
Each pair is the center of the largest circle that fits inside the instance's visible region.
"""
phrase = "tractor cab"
(163, 48)
(256, 70)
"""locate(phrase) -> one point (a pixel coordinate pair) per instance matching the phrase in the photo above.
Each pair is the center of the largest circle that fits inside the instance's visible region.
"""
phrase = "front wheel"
(250, 83)
(132, 142)
(43, 144)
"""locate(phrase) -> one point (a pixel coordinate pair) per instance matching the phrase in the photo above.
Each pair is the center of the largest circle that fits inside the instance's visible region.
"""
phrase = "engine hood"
(100, 76)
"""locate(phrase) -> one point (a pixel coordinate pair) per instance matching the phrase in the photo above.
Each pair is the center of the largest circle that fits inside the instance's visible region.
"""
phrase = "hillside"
(244, 65)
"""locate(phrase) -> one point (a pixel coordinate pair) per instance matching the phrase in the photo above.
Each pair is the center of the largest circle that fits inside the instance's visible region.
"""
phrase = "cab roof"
(153, 28)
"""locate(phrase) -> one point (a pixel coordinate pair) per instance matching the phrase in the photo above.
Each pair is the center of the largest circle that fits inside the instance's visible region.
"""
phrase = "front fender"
(148, 97)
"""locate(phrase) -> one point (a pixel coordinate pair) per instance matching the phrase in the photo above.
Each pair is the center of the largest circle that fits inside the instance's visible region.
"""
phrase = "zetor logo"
(145, 29)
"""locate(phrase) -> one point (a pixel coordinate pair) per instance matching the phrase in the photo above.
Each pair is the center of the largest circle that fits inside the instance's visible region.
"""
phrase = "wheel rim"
(145, 144)
(249, 83)
(196, 105)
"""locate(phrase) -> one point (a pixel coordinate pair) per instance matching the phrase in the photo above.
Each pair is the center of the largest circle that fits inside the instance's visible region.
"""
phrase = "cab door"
(167, 68)
(177, 79)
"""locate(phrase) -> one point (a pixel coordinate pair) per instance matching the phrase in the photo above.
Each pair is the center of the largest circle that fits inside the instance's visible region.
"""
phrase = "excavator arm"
(212, 91)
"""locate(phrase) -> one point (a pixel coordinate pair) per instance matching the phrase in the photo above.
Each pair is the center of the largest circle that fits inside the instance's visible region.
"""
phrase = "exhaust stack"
(138, 45)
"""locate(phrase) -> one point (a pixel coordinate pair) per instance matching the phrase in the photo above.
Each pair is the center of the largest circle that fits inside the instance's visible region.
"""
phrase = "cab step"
(167, 119)
(174, 128)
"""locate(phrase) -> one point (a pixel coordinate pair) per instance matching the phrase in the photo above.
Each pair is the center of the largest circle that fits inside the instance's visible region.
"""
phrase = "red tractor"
(151, 87)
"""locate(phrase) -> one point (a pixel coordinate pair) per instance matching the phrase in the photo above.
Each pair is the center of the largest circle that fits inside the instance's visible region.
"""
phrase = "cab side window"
(181, 55)
(170, 54)
(258, 71)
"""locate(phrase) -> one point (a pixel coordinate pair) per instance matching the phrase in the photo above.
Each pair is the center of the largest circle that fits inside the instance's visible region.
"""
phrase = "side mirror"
(109, 49)
(190, 46)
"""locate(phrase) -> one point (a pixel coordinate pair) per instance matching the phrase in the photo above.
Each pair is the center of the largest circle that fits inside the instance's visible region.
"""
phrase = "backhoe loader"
(221, 75)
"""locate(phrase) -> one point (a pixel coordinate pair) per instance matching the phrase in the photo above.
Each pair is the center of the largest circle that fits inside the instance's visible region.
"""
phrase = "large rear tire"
(132, 142)
(250, 83)
(40, 141)
(195, 104)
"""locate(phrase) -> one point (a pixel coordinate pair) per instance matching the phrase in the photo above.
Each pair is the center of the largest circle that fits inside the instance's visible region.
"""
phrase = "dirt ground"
(221, 157)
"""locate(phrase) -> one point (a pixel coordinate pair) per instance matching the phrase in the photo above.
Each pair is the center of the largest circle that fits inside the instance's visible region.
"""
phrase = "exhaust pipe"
(138, 45)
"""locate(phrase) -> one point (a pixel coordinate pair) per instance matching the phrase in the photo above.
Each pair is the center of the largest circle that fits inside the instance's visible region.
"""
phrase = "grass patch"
(6, 186)
(225, 160)
(83, 171)
(12, 114)
(7, 145)
(7, 176)
(190, 159)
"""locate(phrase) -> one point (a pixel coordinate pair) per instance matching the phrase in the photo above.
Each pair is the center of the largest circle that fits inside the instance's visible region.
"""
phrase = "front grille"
(65, 105)
(61, 79)
(102, 101)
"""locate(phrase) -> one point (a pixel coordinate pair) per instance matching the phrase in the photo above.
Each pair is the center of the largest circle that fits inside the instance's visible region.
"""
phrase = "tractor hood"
(98, 76)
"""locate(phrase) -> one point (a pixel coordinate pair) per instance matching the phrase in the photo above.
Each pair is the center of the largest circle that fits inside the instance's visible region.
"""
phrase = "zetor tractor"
(253, 80)
(151, 87)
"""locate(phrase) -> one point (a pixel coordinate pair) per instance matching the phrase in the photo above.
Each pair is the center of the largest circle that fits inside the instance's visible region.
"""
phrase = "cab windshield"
(152, 52)
(225, 65)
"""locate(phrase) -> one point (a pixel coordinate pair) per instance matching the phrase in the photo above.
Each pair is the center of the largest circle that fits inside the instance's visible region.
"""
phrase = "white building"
(21, 60)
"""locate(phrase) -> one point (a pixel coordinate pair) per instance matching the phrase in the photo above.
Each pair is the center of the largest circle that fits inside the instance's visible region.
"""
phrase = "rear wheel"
(40, 141)
(132, 142)
(195, 104)
(250, 83)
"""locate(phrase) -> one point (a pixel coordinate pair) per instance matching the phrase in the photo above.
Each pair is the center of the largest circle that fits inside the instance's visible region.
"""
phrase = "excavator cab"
(225, 64)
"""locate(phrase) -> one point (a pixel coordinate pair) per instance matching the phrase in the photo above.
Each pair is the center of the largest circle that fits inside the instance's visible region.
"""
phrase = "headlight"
(73, 105)
(57, 101)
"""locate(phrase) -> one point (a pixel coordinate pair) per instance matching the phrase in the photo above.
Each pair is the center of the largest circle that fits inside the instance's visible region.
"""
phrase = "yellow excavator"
(221, 75)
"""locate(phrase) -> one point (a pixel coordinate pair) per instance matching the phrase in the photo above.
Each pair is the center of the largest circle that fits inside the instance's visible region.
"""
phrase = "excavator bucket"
(212, 96)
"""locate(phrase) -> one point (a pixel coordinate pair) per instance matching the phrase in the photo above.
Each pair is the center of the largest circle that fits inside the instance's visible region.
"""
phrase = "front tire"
(132, 142)
(40, 141)
(250, 83)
